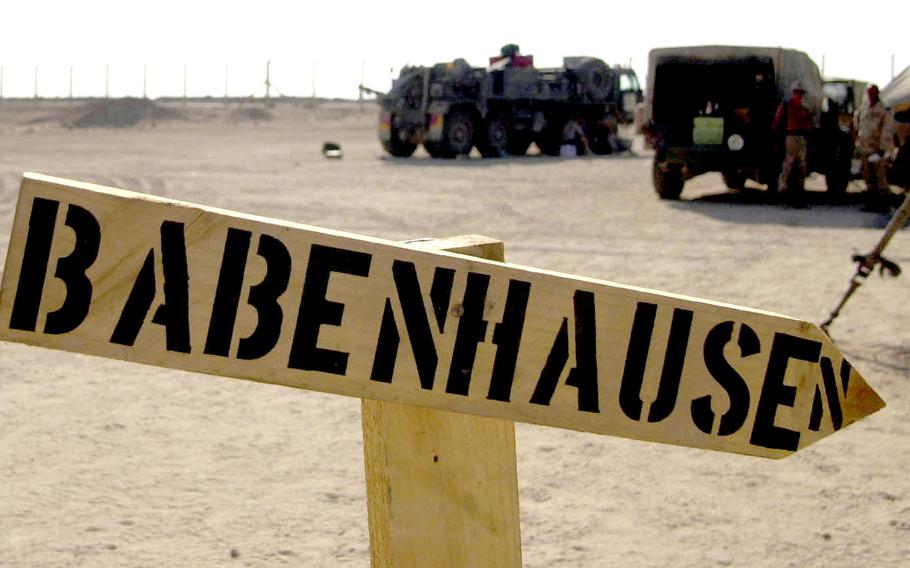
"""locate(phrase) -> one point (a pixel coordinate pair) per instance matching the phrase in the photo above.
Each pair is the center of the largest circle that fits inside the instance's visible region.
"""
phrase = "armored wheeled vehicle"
(451, 108)
(711, 109)
(842, 99)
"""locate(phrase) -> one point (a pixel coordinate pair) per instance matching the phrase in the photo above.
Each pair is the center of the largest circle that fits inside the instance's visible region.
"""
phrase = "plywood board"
(134, 277)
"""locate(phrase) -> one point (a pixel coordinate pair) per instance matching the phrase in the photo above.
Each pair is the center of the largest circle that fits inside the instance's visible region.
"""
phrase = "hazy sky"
(225, 44)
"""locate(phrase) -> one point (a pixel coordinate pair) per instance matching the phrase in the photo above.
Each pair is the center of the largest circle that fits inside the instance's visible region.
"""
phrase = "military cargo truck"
(711, 109)
(451, 108)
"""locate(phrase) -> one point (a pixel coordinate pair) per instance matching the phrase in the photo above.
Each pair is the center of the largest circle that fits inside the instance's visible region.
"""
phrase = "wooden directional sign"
(139, 278)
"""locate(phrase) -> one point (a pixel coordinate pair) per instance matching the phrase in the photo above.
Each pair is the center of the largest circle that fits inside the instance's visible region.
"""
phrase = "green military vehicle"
(451, 108)
(711, 109)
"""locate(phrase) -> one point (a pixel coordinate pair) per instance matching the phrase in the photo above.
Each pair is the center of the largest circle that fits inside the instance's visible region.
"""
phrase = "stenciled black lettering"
(815, 417)
(386, 347)
(35, 258)
(264, 297)
(71, 271)
(818, 410)
(845, 369)
(637, 358)
(507, 338)
(316, 310)
(555, 363)
(775, 393)
(441, 294)
(137, 304)
(674, 360)
(416, 321)
(727, 377)
(472, 329)
(829, 380)
(633, 373)
(227, 292)
(584, 375)
(174, 312)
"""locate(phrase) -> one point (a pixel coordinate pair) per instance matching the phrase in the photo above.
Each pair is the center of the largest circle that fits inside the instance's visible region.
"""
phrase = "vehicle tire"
(769, 176)
(592, 76)
(397, 147)
(518, 145)
(836, 183)
(548, 141)
(458, 134)
(495, 137)
(668, 181)
(599, 140)
(734, 179)
(438, 149)
(838, 175)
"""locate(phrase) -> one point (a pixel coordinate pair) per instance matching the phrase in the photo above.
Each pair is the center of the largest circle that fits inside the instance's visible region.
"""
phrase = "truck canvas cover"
(896, 94)
(789, 65)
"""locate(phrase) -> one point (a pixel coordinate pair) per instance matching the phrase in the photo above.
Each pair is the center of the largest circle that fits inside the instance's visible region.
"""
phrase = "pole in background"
(184, 84)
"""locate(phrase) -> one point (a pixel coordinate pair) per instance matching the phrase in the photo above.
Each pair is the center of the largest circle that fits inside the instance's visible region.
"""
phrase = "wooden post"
(442, 488)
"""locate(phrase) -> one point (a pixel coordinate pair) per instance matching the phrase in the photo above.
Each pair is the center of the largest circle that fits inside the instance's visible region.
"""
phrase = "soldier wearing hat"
(794, 121)
(873, 144)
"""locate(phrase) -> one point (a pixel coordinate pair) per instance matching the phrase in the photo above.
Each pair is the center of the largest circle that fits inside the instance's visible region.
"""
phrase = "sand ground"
(105, 463)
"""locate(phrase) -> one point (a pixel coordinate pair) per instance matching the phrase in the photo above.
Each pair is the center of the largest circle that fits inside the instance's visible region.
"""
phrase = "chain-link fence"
(328, 79)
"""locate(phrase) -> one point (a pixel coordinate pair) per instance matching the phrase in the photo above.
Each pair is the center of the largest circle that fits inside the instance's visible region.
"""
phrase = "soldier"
(794, 120)
(574, 140)
(873, 143)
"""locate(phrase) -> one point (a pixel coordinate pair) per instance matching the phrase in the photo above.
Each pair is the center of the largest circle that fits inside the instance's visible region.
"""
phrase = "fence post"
(442, 487)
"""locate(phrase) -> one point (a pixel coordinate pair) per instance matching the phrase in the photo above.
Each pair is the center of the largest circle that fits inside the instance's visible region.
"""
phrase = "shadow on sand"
(817, 209)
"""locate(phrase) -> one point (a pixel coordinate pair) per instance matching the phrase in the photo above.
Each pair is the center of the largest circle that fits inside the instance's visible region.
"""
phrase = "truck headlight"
(735, 142)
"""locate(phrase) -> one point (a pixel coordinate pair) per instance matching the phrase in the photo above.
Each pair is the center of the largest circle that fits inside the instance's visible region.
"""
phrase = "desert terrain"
(105, 463)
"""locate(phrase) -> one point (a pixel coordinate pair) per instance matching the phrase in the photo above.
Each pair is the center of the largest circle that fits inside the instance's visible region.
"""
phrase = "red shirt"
(798, 117)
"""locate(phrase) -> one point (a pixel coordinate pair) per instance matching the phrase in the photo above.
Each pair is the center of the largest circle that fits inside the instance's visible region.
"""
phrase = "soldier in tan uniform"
(794, 121)
(873, 143)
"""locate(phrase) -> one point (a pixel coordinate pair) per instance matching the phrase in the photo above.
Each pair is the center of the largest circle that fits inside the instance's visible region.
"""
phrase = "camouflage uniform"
(873, 138)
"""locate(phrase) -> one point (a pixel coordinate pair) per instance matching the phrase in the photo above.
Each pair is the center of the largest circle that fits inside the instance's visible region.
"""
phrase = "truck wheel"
(548, 141)
(836, 183)
(838, 175)
(599, 140)
(397, 147)
(519, 143)
(458, 135)
(734, 179)
(592, 78)
(495, 136)
(668, 181)
(438, 149)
